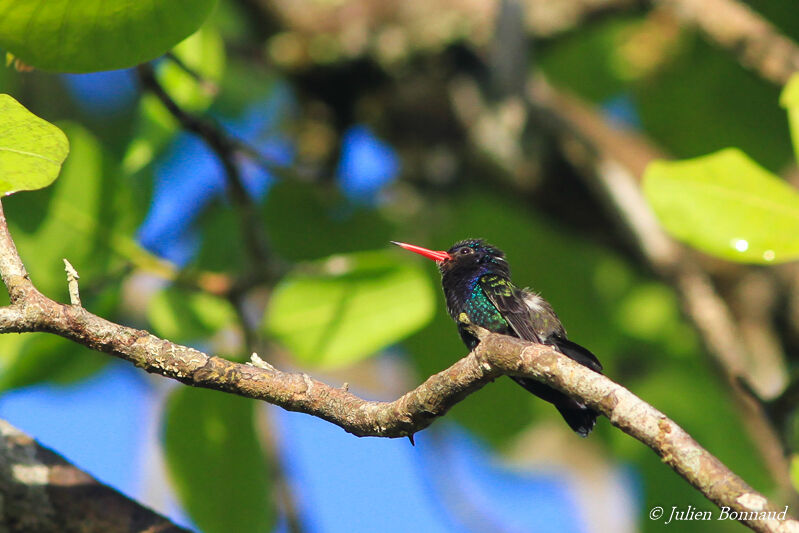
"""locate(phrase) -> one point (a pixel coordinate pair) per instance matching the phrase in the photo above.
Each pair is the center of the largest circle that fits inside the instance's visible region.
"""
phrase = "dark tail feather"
(579, 417)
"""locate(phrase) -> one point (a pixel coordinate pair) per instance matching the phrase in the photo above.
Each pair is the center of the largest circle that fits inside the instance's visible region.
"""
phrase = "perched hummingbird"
(476, 281)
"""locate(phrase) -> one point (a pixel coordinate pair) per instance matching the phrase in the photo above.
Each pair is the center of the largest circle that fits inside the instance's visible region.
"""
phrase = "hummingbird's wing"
(533, 319)
(509, 301)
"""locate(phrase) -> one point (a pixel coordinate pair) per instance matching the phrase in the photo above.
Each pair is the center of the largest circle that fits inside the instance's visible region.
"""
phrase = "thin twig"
(72, 283)
(225, 147)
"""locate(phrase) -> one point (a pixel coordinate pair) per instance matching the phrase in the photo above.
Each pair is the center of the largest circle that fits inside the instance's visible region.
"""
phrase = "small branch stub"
(72, 283)
(257, 362)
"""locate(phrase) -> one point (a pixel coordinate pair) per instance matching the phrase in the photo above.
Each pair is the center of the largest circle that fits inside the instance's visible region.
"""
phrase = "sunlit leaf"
(186, 316)
(31, 149)
(795, 471)
(789, 99)
(726, 205)
(216, 463)
(341, 310)
(84, 35)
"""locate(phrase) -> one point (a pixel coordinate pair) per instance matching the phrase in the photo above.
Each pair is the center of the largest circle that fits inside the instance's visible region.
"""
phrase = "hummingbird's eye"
(465, 250)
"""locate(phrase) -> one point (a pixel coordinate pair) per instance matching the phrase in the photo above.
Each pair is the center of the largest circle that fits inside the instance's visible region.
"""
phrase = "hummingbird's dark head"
(471, 256)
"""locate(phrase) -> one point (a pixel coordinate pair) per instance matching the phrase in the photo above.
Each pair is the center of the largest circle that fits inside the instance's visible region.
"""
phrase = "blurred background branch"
(43, 492)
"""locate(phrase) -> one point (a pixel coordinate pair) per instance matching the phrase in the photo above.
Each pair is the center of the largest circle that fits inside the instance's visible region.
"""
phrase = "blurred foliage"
(80, 36)
(682, 87)
(346, 296)
(216, 462)
(192, 85)
(188, 316)
(310, 222)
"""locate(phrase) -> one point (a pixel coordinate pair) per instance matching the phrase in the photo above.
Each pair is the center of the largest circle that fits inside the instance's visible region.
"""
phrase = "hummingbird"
(476, 281)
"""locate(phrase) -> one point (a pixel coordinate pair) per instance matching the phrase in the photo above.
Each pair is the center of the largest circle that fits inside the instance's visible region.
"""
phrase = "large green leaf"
(31, 149)
(727, 205)
(216, 463)
(341, 310)
(86, 35)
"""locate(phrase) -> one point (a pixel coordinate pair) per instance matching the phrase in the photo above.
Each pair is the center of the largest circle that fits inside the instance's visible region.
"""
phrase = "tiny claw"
(479, 332)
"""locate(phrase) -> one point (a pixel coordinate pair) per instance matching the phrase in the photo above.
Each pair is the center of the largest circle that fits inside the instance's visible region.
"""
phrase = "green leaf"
(726, 205)
(85, 35)
(789, 99)
(216, 463)
(31, 149)
(335, 312)
(187, 316)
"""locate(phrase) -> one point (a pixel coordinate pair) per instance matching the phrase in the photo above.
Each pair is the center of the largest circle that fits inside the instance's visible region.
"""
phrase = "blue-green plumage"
(476, 282)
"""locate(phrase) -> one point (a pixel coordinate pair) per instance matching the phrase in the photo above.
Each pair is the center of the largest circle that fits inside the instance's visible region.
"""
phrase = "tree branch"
(758, 44)
(496, 355)
(41, 492)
